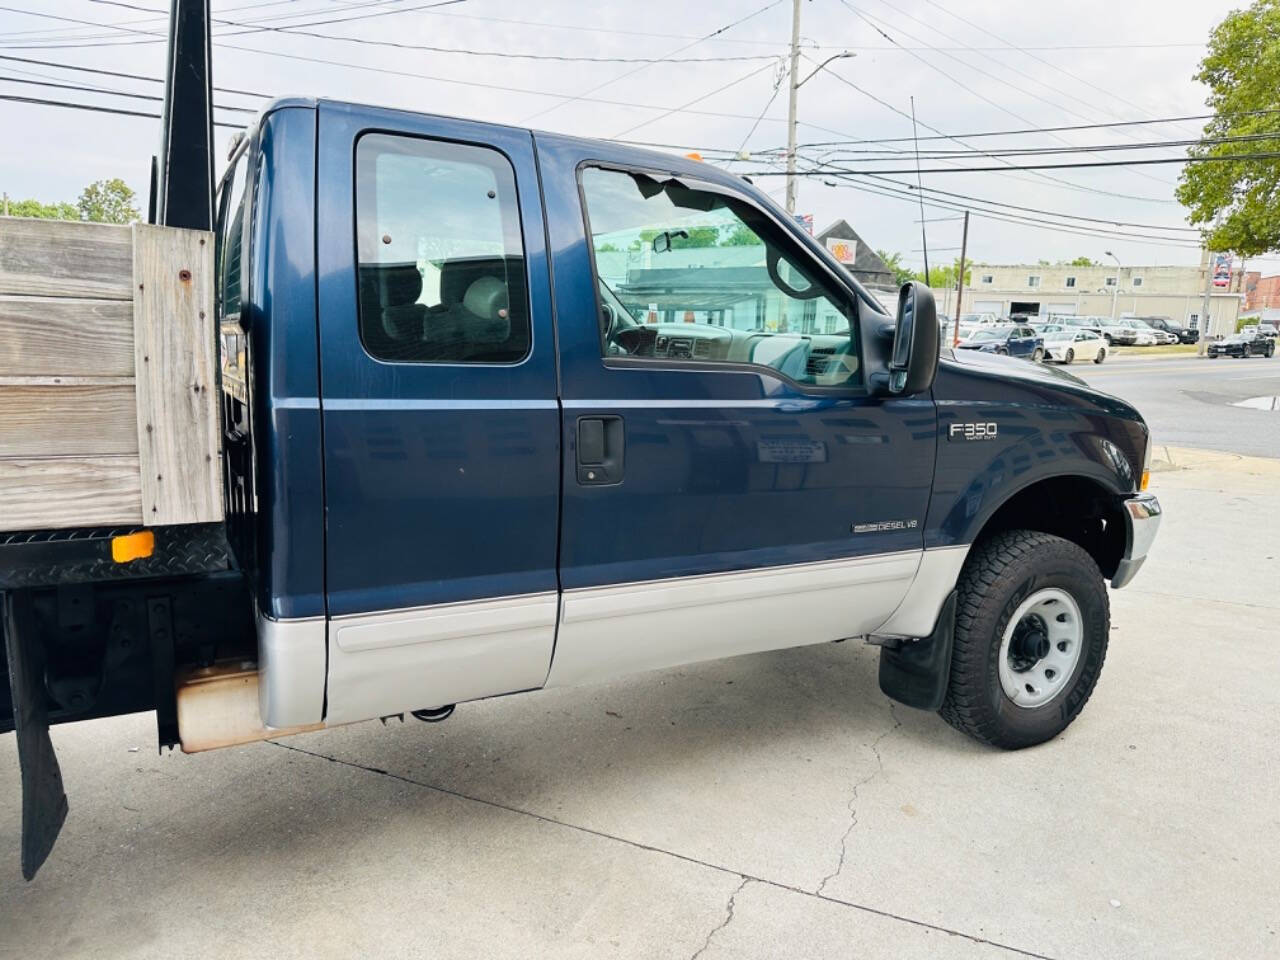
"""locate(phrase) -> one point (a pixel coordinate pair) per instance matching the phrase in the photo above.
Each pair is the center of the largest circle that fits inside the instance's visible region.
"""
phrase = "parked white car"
(1071, 344)
(1163, 337)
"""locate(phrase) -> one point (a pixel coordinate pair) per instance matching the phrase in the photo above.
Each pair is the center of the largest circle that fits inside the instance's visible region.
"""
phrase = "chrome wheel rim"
(1040, 648)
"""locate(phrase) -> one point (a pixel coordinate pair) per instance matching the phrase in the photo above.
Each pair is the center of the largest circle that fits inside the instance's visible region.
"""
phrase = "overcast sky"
(1010, 66)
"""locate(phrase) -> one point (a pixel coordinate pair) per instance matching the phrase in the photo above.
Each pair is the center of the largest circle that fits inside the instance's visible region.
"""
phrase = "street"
(766, 806)
(1188, 401)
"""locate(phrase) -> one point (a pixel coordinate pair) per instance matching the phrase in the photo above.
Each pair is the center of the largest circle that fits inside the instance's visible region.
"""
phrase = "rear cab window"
(441, 269)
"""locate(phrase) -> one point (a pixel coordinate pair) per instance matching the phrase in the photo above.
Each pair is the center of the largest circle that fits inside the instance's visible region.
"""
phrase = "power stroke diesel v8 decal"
(972, 431)
(880, 526)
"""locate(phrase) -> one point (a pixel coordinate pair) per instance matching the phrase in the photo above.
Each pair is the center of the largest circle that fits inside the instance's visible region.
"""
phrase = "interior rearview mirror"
(913, 362)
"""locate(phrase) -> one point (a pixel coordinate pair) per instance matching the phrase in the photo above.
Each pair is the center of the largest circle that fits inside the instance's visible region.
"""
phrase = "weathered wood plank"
(65, 258)
(60, 336)
(59, 492)
(67, 421)
(175, 371)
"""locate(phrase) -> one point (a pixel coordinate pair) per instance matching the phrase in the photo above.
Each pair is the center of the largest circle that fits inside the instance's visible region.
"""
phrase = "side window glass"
(439, 251)
(229, 239)
(697, 276)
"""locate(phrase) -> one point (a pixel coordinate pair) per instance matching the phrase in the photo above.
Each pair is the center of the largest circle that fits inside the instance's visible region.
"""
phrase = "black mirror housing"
(913, 362)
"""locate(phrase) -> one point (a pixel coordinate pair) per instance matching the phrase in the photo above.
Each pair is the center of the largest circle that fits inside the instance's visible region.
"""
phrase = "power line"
(1035, 210)
(873, 23)
(124, 76)
(685, 106)
(622, 76)
(1087, 164)
(459, 51)
(956, 139)
(14, 98)
(113, 93)
(854, 155)
(1145, 240)
(1034, 130)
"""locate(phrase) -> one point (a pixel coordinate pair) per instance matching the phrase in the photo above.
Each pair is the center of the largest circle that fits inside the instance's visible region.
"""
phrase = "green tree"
(108, 201)
(740, 236)
(1242, 72)
(42, 211)
(1079, 262)
(945, 276)
(901, 272)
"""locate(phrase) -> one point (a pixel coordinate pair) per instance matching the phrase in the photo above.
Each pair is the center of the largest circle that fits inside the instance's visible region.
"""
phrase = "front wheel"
(1031, 629)
(1102, 355)
(1070, 356)
(1246, 352)
(1037, 355)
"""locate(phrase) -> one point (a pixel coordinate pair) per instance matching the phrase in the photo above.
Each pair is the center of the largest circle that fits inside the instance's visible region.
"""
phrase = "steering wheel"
(608, 317)
(772, 261)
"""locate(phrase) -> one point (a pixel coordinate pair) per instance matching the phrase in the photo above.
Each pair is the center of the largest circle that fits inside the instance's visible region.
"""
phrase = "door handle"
(600, 447)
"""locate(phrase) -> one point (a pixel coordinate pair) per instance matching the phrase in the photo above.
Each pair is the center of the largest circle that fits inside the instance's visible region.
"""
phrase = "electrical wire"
(630, 73)
(14, 98)
(124, 76)
(1082, 165)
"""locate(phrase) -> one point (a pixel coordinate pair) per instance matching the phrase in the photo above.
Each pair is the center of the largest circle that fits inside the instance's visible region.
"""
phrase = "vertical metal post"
(793, 81)
(924, 242)
(1202, 344)
(964, 246)
(184, 189)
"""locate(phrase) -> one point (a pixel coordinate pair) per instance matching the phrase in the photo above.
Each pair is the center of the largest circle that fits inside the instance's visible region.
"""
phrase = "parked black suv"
(1184, 334)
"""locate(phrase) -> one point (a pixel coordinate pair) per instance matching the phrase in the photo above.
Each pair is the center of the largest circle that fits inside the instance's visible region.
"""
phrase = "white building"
(1151, 291)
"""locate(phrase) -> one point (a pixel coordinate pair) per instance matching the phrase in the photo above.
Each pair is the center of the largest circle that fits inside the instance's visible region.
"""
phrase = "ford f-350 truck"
(504, 410)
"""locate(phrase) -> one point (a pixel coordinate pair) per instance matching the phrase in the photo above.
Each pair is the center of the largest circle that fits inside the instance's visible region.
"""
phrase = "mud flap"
(916, 672)
(44, 802)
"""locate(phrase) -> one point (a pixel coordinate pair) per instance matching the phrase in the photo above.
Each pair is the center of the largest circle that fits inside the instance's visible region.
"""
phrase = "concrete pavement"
(767, 806)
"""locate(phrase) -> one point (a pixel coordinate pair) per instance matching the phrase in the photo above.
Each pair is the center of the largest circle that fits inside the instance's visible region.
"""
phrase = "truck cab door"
(440, 417)
(730, 482)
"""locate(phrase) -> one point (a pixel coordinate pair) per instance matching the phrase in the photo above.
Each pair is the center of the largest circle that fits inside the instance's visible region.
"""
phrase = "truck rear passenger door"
(730, 483)
(441, 423)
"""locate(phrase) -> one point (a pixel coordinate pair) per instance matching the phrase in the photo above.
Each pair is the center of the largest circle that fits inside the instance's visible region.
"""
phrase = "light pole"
(1115, 289)
(795, 84)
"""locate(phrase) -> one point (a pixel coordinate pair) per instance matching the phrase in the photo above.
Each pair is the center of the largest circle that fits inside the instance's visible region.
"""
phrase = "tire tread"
(1002, 557)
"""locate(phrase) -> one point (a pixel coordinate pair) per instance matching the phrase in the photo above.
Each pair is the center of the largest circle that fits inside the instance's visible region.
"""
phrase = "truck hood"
(1012, 368)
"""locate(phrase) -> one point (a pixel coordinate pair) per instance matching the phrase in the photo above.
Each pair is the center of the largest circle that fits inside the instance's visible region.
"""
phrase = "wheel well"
(1074, 508)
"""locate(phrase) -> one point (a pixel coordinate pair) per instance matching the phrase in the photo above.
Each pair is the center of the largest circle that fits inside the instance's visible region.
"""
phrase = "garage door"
(1062, 308)
(988, 306)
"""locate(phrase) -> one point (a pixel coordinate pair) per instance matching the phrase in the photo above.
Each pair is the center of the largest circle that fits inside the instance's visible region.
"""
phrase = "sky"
(972, 66)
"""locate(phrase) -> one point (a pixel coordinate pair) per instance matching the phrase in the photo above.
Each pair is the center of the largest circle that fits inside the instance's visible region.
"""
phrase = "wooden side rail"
(108, 376)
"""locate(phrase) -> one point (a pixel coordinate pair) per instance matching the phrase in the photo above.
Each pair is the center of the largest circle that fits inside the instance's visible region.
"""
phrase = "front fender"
(1044, 427)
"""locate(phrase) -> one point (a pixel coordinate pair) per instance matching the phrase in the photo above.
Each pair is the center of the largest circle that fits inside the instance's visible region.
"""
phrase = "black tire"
(1107, 337)
(1037, 355)
(1070, 356)
(998, 575)
(1246, 352)
(1102, 355)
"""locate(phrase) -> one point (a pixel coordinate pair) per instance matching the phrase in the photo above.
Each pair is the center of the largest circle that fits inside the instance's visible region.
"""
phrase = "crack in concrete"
(853, 799)
(728, 919)
(673, 854)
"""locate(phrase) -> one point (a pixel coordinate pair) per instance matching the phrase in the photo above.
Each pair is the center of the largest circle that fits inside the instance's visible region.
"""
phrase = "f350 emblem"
(972, 431)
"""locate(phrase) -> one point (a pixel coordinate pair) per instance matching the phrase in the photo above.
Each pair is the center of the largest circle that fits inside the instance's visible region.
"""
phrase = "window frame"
(853, 298)
(355, 248)
(1070, 282)
(1111, 282)
(1033, 281)
(987, 278)
(1136, 281)
(245, 152)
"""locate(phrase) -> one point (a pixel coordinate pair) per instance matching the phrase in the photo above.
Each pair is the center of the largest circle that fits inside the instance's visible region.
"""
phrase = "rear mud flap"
(44, 802)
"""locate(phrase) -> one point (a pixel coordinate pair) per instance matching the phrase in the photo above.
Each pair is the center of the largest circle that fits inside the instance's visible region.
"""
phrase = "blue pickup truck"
(506, 410)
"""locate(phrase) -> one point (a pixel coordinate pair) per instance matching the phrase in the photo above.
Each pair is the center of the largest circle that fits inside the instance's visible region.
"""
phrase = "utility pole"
(964, 245)
(6, 204)
(924, 241)
(793, 81)
(1202, 344)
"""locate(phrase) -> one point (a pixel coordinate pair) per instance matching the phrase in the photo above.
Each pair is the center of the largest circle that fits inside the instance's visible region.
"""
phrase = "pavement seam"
(1199, 599)
(728, 919)
(719, 868)
(853, 799)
